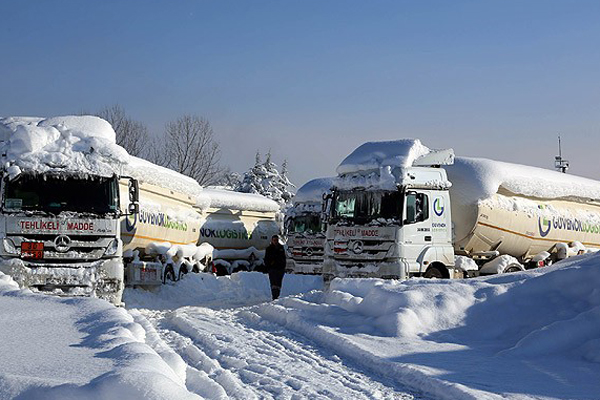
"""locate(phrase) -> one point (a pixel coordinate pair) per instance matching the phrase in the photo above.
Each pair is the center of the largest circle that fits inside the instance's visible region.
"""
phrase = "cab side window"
(417, 207)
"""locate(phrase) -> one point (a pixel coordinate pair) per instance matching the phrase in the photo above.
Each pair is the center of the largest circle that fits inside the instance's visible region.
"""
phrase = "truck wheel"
(169, 275)
(436, 272)
(182, 271)
(512, 268)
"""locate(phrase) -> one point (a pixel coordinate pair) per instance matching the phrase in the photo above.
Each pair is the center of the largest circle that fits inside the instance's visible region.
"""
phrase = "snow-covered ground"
(533, 334)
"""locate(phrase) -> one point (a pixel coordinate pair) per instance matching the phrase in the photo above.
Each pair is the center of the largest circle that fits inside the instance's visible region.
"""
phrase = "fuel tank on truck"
(520, 210)
(168, 208)
(235, 220)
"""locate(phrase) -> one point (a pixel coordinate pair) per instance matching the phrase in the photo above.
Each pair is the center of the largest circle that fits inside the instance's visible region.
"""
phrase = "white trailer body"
(167, 221)
(304, 224)
(239, 226)
(485, 209)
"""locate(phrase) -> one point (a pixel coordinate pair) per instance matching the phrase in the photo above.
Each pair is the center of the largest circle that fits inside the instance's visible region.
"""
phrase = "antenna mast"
(560, 164)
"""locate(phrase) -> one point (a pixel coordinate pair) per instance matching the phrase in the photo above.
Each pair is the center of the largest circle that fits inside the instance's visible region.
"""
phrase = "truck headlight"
(112, 248)
(9, 246)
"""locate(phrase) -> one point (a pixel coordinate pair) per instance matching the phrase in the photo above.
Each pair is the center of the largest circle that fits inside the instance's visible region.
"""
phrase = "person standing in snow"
(275, 263)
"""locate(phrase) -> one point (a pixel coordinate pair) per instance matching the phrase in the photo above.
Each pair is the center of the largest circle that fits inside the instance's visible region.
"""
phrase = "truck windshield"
(306, 223)
(366, 206)
(57, 193)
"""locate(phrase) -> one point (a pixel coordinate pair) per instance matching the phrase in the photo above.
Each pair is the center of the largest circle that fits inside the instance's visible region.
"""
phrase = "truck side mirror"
(133, 208)
(134, 191)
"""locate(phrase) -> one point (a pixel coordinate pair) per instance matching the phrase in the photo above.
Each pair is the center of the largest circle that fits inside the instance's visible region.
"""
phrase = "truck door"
(416, 227)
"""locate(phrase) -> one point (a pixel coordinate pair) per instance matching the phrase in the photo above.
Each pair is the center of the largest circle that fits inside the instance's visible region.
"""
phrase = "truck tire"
(169, 275)
(182, 271)
(436, 271)
(512, 268)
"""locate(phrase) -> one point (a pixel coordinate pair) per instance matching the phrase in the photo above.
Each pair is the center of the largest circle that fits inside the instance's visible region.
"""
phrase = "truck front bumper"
(101, 278)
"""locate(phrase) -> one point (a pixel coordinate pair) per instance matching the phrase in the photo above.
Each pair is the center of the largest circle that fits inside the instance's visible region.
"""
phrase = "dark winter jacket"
(275, 258)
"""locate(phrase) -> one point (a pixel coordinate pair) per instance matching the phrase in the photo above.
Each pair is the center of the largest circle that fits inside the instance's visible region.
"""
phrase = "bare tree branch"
(190, 149)
(131, 135)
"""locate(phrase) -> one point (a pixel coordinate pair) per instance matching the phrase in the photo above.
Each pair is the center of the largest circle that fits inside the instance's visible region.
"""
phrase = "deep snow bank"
(207, 290)
(520, 335)
(77, 348)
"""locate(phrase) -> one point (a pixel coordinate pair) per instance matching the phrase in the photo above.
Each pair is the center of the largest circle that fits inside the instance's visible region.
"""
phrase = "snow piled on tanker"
(74, 144)
(476, 179)
(239, 201)
(381, 165)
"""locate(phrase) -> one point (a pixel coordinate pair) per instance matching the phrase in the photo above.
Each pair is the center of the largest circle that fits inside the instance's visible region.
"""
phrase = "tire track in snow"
(245, 357)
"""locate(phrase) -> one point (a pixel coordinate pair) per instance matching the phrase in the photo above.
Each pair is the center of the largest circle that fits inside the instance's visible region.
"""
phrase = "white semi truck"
(304, 225)
(80, 216)
(398, 209)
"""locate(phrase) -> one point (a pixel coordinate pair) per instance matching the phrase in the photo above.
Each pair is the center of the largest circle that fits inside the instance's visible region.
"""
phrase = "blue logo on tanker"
(544, 232)
(566, 224)
(438, 206)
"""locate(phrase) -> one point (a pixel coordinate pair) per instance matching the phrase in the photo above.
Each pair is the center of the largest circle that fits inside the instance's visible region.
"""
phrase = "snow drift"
(533, 334)
(77, 348)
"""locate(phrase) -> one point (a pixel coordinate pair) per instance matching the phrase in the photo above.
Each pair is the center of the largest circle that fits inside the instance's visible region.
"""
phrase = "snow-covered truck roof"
(74, 144)
(313, 190)
(81, 145)
(383, 165)
(309, 197)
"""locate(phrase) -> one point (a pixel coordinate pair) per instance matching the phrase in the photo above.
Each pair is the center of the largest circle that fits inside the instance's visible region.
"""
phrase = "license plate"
(148, 275)
(34, 250)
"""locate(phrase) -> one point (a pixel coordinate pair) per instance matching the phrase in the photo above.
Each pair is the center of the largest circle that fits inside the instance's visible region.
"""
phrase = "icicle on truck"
(304, 224)
(78, 211)
(398, 209)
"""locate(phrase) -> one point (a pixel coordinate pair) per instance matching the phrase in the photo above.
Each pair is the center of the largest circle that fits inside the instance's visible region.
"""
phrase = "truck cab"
(391, 232)
(60, 233)
(305, 242)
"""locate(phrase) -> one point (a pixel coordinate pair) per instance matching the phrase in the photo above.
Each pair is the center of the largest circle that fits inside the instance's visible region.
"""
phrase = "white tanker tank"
(160, 242)
(181, 227)
(239, 226)
(521, 211)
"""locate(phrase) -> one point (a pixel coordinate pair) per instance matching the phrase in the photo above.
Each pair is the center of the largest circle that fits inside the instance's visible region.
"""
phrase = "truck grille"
(80, 247)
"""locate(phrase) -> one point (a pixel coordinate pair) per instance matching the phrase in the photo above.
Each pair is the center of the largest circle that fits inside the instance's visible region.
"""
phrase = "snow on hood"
(313, 190)
(77, 144)
(239, 201)
(475, 179)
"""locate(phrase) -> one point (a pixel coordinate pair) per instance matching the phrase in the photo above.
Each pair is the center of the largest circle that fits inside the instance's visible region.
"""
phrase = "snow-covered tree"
(264, 178)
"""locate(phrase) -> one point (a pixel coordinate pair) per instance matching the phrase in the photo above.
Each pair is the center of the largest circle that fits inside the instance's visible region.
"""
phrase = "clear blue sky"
(312, 80)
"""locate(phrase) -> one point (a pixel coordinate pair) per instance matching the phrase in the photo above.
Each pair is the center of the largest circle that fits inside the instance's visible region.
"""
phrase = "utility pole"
(560, 164)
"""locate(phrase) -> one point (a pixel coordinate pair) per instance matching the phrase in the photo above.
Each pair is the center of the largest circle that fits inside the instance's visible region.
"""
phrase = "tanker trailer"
(305, 225)
(160, 241)
(531, 214)
(239, 226)
(399, 209)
